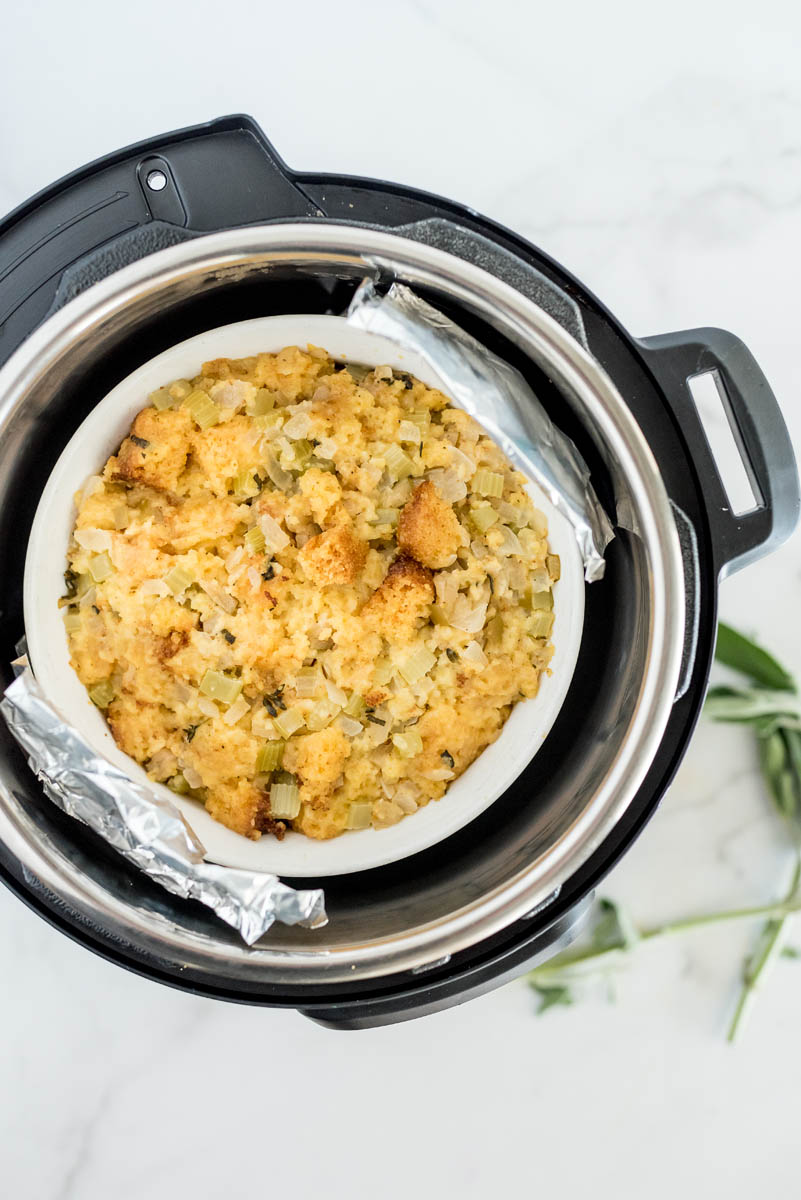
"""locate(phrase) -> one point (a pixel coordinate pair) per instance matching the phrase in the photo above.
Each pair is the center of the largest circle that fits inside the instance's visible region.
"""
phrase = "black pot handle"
(759, 431)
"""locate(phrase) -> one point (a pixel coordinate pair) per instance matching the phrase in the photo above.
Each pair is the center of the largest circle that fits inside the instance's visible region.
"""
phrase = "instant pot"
(207, 226)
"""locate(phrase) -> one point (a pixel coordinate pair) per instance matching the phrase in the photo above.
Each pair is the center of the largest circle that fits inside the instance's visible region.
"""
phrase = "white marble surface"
(659, 157)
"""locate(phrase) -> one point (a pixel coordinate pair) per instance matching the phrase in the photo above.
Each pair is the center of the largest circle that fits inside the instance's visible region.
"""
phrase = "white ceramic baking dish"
(299, 856)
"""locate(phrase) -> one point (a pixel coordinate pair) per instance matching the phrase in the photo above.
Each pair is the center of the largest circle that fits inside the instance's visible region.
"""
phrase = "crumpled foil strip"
(498, 397)
(148, 830)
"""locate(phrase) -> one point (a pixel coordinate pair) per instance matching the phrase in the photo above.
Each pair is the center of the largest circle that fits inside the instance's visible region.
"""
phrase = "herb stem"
(763, 958)
(778, 911)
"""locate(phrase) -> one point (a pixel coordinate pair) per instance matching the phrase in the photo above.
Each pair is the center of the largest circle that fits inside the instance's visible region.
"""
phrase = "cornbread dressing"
(307, 595)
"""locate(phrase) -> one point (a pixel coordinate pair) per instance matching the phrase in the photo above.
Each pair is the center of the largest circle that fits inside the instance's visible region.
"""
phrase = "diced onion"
(100, 568)
(262, 401)
(449, 485)
(408, 744)
(510, 543)
(193, 777)
(408, 431)
(95, 483)
(474, 654)
(531, 544)
(284, 800)
(326, 448)
(270, 757)
(231, 393)
(406, 797)
(336, 695)
(538, 523)
(461, 460)
(438, 775)
(154, 587)
(348, 726)
(483, 517)
(386, 516)
(468, 617)
(254, 578)
(281, 478)
(360, 814)
(237, 711)
(208, 708)
(96, 540)
(446, 587)
(321, 714)
(213, 622)
(274, 537)
(417, 665)
(298, 426)
(220, 597)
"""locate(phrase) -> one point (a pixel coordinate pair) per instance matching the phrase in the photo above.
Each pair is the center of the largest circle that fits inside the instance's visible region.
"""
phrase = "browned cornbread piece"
(402, 598)
(428, 528)
(155, 451)
(317, 759)
(335, 556)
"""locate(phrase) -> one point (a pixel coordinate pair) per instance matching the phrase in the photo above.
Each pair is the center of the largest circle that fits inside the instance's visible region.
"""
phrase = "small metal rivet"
(156, 181)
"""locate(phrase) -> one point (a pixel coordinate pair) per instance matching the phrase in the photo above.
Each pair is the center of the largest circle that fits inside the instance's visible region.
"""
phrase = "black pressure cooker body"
(225, 175)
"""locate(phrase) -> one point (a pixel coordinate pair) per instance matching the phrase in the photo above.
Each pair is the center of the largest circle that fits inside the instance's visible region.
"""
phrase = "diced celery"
(417, 665)
(82, 585)
(360, 814)
(495, 630)
(254, 540)
(541, 601)
(399, 465)
(322, 464)
(220, 687)
(408, 744)
(178, 580)
(420, 417)
(180, 389)
(487, 483)
(102, 693)
(554, 565)
(483, 516)
(386, 516)
(439, 615)
(202, 408)
(540, 624)
(307, 681)
(269, 420)
(72, 620)
(178, 784)
(284, 800)
(303, 452)
(243, 485)
(355, 707)
(289, 722)
(270, 757)
(161, 399)
(100, 567)
(262, 402)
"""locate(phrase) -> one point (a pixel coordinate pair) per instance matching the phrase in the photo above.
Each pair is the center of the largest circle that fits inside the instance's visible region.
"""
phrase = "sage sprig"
(770, 705)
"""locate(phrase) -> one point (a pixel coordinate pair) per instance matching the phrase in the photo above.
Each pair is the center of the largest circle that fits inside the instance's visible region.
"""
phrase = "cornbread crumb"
(403, 597)
(335, 556)
(428, 528)
(155, 451)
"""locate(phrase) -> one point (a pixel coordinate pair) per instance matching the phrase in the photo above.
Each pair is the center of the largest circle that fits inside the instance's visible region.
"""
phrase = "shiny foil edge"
(145, 828)
(497, 396)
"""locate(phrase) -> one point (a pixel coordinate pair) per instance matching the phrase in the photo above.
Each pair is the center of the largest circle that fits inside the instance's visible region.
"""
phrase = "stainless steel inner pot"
(434, 917)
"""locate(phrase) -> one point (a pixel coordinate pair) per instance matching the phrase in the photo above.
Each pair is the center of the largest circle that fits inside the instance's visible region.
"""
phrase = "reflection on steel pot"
(97, 275)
